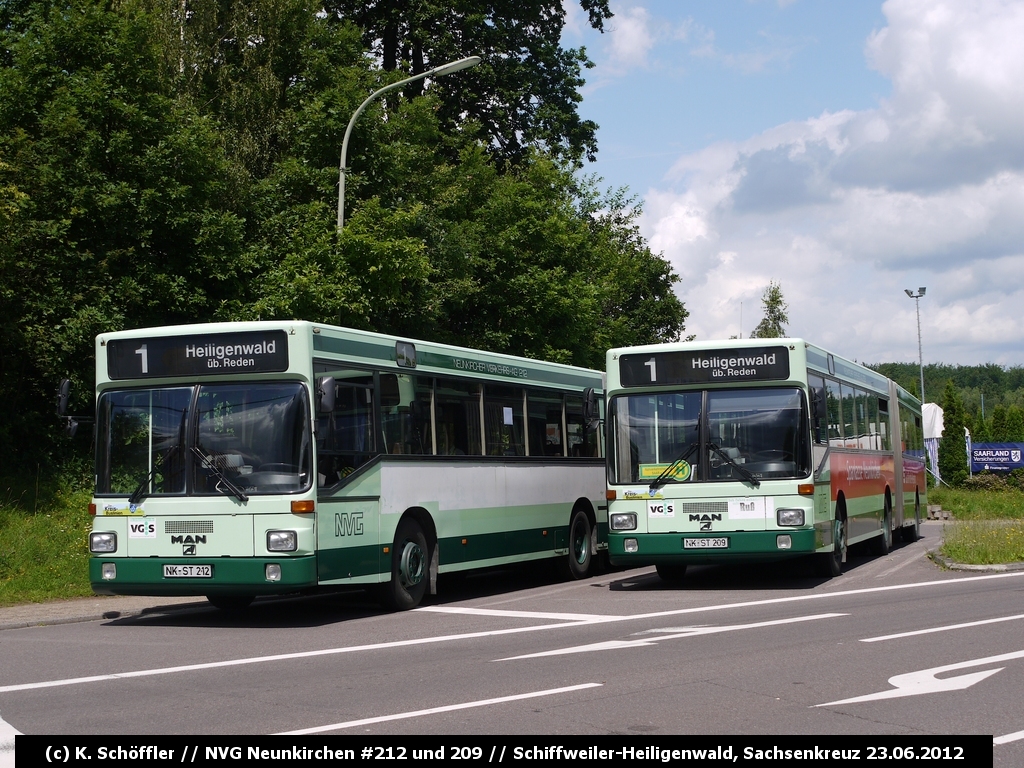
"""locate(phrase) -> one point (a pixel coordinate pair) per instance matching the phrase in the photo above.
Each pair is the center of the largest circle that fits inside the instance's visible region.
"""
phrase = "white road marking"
(437, 710)
(942, 629)
(7, 734)
(495, 633)
(611, 645)
(1008, 738)
(590, 617)
(924, 681)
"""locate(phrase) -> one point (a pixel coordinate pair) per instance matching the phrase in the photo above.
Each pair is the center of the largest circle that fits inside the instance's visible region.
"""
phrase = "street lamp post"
(444, 69)
(920, 359)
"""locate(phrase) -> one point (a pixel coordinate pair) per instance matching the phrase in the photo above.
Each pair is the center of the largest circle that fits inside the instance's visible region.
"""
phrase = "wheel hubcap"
(580, 543)
(410, 567)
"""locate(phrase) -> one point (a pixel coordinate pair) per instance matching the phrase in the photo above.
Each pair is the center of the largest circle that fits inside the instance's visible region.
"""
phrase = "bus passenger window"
(457, 416)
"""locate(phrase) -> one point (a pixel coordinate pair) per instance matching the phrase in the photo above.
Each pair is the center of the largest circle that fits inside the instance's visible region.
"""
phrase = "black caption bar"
(465, 751)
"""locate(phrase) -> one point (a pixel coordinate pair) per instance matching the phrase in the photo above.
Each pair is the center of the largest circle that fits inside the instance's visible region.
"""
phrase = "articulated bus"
(245, 459)
(756, 449)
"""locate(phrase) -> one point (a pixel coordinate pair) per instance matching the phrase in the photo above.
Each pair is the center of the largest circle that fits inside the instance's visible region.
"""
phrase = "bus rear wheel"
(410, 558)
(911, 533)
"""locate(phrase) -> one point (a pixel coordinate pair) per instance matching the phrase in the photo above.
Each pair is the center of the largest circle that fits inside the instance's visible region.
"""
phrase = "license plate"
(720, 542)
(188, 571)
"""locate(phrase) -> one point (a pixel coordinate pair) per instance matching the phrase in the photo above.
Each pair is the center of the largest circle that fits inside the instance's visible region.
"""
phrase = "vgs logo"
(142, 529)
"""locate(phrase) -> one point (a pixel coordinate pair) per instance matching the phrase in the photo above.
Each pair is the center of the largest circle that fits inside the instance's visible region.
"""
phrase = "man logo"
(188, 549)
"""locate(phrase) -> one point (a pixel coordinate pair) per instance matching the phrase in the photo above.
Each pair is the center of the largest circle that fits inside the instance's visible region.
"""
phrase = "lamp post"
(444, 69)
(920, 359)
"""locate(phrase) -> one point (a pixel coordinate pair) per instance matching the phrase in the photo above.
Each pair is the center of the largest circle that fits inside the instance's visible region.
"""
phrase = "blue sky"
(847, 150)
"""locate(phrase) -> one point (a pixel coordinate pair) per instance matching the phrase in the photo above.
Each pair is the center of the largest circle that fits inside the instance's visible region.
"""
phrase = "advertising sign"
(997, 457)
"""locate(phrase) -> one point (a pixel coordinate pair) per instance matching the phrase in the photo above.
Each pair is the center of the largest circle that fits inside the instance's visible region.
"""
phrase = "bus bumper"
(654, 548)
(230, 576)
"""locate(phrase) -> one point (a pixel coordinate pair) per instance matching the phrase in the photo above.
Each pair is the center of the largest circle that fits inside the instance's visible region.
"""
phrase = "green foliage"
(43, 541)
(953, 445)
(525, 92)
(773, 324)
(160, 168)
(1014, 429)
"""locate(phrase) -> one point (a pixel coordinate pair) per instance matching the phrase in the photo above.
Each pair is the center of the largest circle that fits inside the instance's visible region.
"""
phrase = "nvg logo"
(346, 524)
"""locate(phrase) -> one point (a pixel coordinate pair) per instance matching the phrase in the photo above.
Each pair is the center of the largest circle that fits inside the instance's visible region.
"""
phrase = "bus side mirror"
(591, 413)
(818, 409)
(325, 392)
(63, 395)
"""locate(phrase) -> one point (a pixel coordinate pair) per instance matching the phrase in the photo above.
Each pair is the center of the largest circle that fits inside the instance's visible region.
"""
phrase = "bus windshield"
(257, 435)
(747, 433)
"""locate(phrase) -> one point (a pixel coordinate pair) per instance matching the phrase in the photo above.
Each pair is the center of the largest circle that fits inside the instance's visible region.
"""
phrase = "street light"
(444, 69)
(920, 360)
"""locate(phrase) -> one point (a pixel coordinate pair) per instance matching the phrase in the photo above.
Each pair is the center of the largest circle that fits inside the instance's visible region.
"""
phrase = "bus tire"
(911, 533)
(581, 545)
(671, 572)
(230, 602)
(830, 564)
(880, 545)
(410, 560)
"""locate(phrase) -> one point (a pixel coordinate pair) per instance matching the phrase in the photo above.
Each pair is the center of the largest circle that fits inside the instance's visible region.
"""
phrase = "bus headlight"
(630, 545)
(272, 572)
(789, 516)
(623, 521)
(282, 541)
(103, 542)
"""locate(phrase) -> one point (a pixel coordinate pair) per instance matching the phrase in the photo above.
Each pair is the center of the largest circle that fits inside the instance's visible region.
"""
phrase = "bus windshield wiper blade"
(663, 478)
(142, 490)
(747, 474)
(211, 465)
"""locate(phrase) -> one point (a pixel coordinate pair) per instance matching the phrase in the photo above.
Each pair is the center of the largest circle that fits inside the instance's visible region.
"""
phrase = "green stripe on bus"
(743, 545)
(487, 546)
(231, 575)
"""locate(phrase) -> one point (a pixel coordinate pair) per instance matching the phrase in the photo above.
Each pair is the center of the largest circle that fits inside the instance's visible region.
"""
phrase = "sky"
(846, 150)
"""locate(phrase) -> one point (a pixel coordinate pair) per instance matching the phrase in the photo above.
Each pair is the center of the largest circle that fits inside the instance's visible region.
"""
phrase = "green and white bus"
(244, 459)
(756, 449)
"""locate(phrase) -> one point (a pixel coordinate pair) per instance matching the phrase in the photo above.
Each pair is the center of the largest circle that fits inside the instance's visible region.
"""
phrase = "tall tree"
(524, 94)
(1014, 425)
(953, 445)
(773, 324)
(999, 434)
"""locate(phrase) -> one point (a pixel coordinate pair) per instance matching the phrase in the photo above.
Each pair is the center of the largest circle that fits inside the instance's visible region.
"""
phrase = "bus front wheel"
(581, 545)
(410, 559)
(671, 572)
(230, 602)
(830, 564)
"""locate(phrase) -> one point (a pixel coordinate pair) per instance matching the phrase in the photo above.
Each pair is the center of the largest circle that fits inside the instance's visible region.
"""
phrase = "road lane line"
(437, 710)
(613, 645)
(1008, 738)
(941, 629)
(7, 734)
(497, 632)
(925, 681)
(518, 614)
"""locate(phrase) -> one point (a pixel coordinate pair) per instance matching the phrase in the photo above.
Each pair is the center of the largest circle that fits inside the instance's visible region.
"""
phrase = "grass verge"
(988, 527)
(43, 542)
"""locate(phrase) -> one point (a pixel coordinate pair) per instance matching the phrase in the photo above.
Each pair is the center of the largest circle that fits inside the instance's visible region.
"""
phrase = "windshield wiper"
(663, 478)
(142, 490)
(209, 463)
(747, 474)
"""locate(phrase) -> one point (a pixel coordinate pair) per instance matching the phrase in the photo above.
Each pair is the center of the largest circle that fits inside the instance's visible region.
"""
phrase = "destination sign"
(203, 355)
(704, 366)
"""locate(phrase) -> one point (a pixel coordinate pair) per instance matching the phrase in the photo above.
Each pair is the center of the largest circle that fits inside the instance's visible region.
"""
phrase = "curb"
(47, 613)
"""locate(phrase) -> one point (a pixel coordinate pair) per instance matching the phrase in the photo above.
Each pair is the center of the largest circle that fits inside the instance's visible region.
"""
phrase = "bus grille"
(188, 526)
(703, 508)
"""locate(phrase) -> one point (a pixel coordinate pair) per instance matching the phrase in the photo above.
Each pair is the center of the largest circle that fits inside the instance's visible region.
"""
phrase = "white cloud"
(848, 208)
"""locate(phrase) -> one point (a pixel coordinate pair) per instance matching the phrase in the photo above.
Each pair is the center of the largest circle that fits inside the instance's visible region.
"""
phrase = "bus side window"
(819, 408)
(345, 439)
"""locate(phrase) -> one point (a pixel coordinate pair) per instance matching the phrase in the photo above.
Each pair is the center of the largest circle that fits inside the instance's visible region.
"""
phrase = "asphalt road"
(894, 646)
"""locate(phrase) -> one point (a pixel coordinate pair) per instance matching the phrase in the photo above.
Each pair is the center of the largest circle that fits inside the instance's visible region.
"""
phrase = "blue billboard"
(997, 457)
